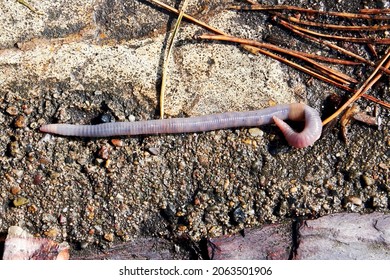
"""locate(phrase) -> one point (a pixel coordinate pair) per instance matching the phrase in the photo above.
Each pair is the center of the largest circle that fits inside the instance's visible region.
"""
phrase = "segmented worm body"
(276, 114)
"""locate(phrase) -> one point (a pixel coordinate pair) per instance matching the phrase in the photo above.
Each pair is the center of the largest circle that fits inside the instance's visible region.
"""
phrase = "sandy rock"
(203, 77)
(21, 245)
(137, 249)
(345, 236)
(269, 242)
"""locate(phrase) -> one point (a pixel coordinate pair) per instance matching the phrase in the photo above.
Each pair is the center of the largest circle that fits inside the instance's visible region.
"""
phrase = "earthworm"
(275, 114)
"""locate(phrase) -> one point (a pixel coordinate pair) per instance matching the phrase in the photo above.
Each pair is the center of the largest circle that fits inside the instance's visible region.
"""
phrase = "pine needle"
(31, 8)
(374, 77)
(166, 61)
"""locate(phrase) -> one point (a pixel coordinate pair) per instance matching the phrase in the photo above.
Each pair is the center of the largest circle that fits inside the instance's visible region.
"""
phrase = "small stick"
(327, 59)
(384, 41)
(375, 11)
(330, 45)
(374, 77)
(303, 69)
(376, 100)
(188, 17)
(166, 61)
(260, 7)
(31, 8)
(346, 119)
(371, 47)
(320, 57)
(338, 27)
(252, 2)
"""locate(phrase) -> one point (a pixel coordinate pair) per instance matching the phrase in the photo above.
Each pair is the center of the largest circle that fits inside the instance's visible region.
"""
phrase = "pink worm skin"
(275, 114)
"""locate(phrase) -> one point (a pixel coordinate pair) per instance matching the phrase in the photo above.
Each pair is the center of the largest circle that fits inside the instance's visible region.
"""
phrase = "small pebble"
(91, 214)
(180, 214)
(107, 163)
(106, 118)
(13, 149)
(108, 237)
(27, 110)
(238, 215)
(182, 228)
(226, 184)
(154, 151)
(197, 201)
(52, 233)
(44, 160)
(98, 229)
(13, 111)
(84, 244)
(309, 178)
(255, 132)
(104, 152)
(9, 177)
(355, 200)
(20, 121)
(293, 190)
(383, 166)
(18, 173)
(38, 179)
(203, 160)
(368, 181)
(15, 190)
(117, 142)
(247, 141)
(326, 206)
(182, 165)
(119, 197)
(32, 208)
(20, 201)
(62, 219)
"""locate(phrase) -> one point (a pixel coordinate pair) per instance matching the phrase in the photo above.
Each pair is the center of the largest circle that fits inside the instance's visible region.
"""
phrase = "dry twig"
(187, 17)
(328, 44)
(375, 11)
(357, 28)
(166, 61)
(384, 41)
(31, 8)
(260, 7)
(374, 77)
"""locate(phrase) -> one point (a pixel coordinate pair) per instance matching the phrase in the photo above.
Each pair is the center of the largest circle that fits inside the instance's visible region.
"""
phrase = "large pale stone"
(345, 236)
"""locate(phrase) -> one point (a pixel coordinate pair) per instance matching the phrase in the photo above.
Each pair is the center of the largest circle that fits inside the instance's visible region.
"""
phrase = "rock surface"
(21, 245)
(345, 237)
(138, 249)
(272, 242)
